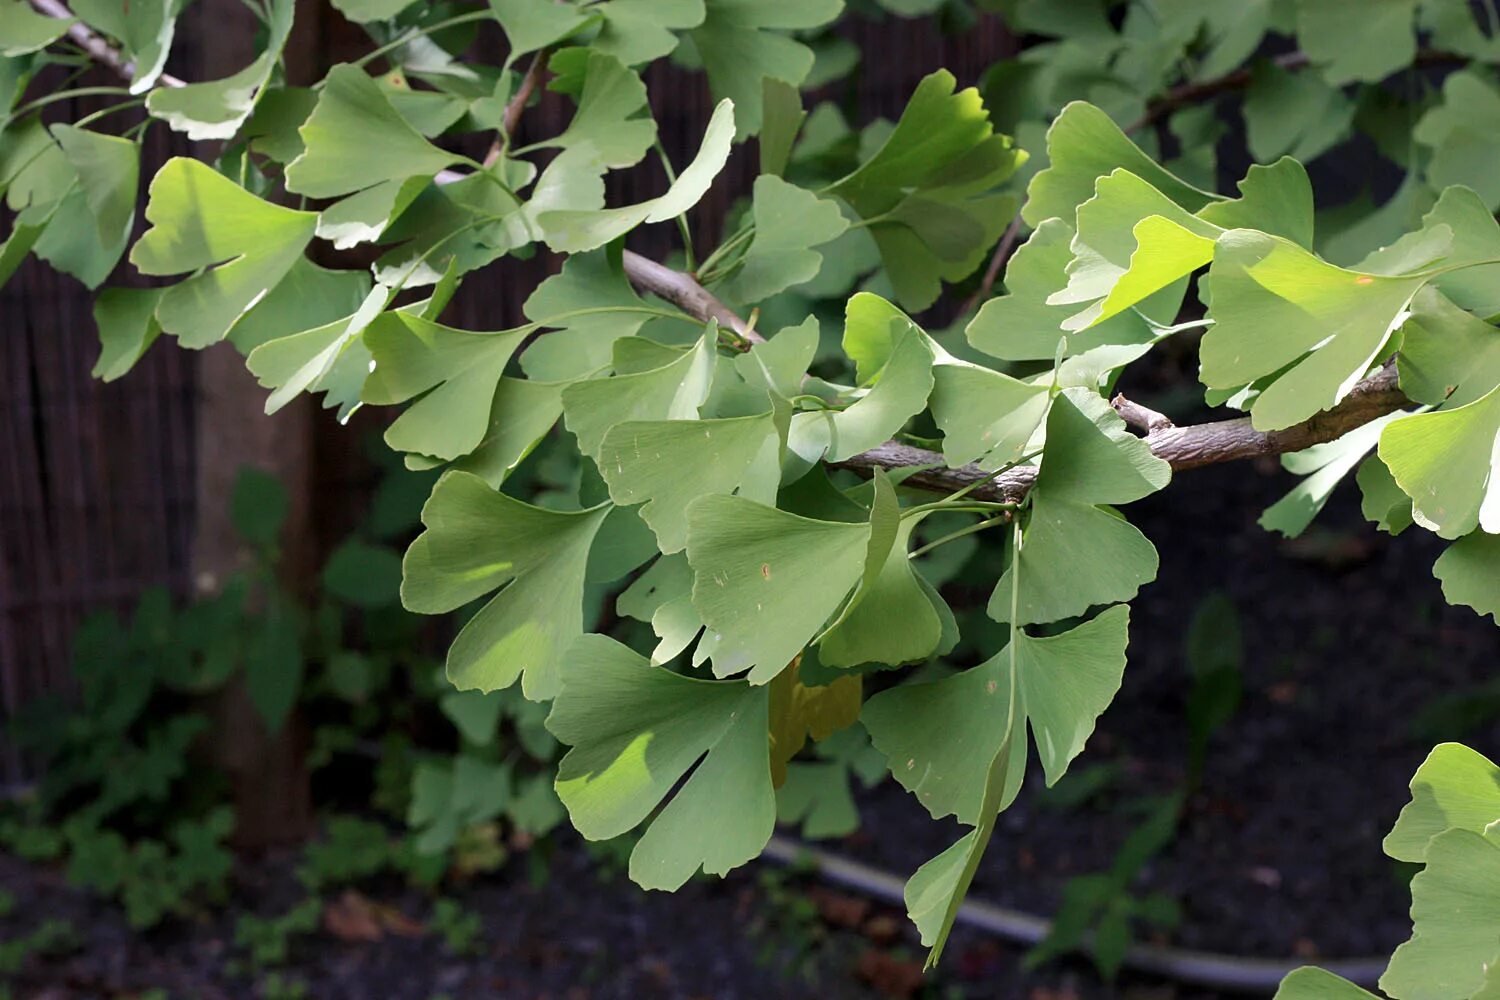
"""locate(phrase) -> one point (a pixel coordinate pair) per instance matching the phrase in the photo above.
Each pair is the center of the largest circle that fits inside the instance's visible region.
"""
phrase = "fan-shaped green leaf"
(940, 737)
(1460, 131)
(896, 619)
(1455, 789)
(531, 26)
(1277, 307)
(1091, 458)
(126, 318)
(1447, 461)
(1325, 466)
(900, 393)
(1308, 983)
(216, 109)
(1022, 326)
(109, 170)
(985, 416)
(201, 219)
(740, 46)
(789, 222)
(673, 391)
(636, 731)
(1447, 357)
(1353, 40)
(613, 115)
(638, 31)
(670, 463)
(478, 539)
(569, 231)
(926, 193)
(1076, 556)
(23, 30)
(1470, 574)
(766, 581)
(1083, 145)
(1455, 912)
(458, 371)
(336, 159)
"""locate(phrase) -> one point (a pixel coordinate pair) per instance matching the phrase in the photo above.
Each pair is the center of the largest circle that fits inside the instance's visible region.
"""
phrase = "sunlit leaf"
(636, 732)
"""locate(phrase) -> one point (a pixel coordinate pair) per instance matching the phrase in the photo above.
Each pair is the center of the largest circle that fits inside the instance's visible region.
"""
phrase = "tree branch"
(683, 291)
(98, 48)
(1182, 447)
(1192, 93)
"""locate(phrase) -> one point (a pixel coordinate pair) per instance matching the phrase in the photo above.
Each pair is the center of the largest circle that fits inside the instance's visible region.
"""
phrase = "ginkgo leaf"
(780, 363)
(782, 117)
(985, 416)
(126, 318)
(896, 619)
(927, 194)
(636, 731)
(673, 391)
(458, 371)
(594, 286)
(1476, 237)
(521, 414)
(1319, 326)
(108, 172)
(23, 30)
(1353, 40)
(366, 215)
(145, 29)
(1276, 198)
(900, 392)
(739, 45)
(940, 737)
(1309, 983)
(799, 712)
(1447, 461)
(670, 463)
(663, 596)
(789, 222)
(371, 10)
(1083, 145)
(478, 539)
(1448, 357)
(1470, 574)
(1455, 912)
(766, 581)
(639, 31)
(1325, 466)
(1076, 556)
(613, 116)
(1091, 458)
(1131, 241)
(1460, 131)
(201, 219)
(1296, 113)
(531, 26)
(1381, 499)
(569, 231)
(216, 109)
(308, 296)
(1455, 788)
(330, 358)
(1022, 326)
(336, 159)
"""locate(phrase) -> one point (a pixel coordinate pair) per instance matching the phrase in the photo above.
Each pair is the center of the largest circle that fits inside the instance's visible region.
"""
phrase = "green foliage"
(635, 448)
(1448, 828)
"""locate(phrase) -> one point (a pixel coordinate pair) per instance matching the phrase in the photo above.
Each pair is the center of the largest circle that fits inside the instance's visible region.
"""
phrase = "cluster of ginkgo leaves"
(708, 502)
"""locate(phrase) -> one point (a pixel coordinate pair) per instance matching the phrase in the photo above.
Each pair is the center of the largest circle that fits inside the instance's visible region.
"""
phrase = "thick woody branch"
(96, 45)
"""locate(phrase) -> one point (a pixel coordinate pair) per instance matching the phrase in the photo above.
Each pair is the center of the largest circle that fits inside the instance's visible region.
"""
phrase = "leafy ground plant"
(759, 493)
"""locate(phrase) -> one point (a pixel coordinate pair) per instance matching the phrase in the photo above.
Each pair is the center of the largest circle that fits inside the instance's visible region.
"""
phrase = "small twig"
(1192, 93)
(1136, 415)
(683, 291)
(96, 45)
(992, 273)
(510, 119)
